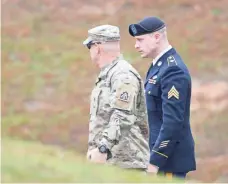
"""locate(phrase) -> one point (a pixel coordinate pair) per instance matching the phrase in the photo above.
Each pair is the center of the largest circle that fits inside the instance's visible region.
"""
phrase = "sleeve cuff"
(157, 158)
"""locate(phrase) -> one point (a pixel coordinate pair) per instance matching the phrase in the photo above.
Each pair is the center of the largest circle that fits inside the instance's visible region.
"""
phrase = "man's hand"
(96, 156)
(153, 169)
(88, 155)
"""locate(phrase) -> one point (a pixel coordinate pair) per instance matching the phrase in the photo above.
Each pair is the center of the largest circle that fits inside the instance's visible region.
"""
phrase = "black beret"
(145, 26)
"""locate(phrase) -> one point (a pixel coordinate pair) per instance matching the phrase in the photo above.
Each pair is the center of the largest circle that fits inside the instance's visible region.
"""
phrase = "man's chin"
(144, 56)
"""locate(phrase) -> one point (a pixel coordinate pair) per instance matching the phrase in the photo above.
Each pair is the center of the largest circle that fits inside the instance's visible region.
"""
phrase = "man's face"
(146, 45)
(94, 52)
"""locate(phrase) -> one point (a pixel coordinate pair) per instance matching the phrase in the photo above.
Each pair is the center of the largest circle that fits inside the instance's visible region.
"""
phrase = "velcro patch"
(124, 98)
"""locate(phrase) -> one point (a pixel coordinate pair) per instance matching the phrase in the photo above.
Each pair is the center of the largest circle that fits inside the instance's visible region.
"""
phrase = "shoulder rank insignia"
(173, 93)
(171, 60)
(124, 97)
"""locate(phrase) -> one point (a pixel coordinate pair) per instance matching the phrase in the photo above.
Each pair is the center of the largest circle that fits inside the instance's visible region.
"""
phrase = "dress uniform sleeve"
(123, 95)
(175, 89)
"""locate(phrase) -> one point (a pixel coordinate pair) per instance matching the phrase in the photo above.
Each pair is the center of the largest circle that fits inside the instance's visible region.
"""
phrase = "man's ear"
(157, 36)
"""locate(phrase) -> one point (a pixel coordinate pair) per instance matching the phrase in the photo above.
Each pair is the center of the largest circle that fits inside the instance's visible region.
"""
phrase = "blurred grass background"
(33, 162)
(47, 77)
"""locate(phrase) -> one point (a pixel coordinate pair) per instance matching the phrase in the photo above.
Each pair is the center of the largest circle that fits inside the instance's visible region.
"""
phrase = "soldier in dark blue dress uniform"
(168, 96)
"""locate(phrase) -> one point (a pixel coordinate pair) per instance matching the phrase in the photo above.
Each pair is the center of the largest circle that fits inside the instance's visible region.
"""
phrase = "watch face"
(103, 149)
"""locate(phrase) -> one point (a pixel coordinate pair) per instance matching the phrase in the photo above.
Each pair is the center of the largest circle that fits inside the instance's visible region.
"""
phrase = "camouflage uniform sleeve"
(123, 99)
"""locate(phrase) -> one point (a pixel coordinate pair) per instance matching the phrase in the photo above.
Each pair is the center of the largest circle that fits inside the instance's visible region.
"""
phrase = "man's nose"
(136, 46)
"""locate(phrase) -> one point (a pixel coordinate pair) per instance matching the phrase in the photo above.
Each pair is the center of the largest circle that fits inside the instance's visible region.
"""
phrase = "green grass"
(34, 162)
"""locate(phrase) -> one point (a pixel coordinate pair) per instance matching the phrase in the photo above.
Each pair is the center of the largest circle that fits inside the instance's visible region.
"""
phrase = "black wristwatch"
(103, 149)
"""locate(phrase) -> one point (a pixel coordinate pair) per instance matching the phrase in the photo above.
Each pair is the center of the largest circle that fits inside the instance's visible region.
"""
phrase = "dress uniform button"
(149, 92)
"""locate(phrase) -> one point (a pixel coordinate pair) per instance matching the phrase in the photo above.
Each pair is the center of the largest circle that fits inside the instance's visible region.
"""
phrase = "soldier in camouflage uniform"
(118, 129)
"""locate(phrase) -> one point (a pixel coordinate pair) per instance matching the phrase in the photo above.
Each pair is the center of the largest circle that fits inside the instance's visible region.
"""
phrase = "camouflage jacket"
(118, 116)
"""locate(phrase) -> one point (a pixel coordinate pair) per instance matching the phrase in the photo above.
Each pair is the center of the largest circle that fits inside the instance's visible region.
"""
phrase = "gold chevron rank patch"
(173, 93)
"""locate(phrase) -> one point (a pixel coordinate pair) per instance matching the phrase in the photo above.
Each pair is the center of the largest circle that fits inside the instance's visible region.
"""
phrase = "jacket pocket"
(153, 98)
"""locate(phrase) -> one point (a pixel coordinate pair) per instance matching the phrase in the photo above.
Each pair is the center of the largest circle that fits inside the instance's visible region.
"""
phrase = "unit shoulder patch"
(124, 97)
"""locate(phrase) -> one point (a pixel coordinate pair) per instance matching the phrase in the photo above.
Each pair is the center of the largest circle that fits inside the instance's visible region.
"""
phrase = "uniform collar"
(161, 54)
(106, 68)
(154, 69)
